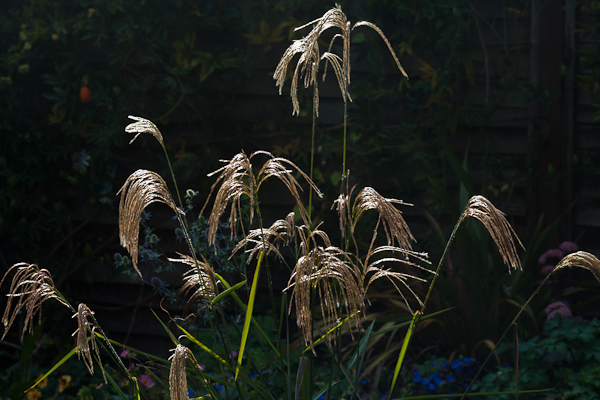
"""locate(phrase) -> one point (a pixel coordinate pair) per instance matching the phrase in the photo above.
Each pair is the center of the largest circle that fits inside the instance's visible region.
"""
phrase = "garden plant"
(327, 294)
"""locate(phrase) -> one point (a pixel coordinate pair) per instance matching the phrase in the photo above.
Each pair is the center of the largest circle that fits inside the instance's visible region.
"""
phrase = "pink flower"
(568, 247)
(558, 307)
(547, 269)
(146, 380)
(124, 353)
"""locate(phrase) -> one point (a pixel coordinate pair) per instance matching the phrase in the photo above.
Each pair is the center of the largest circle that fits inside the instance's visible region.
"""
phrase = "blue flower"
(425, 381)
(191, 393)
(417, 378)
(434, 363)
(437, 380)
(219, 387)
(450, 378)
(417, 372)
(431, 386)
(362, 382)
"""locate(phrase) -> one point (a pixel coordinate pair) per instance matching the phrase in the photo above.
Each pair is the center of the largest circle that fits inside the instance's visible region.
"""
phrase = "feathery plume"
(336, 279)
(30, 287)
(268, 239)
(396, 228)
(581, 259)
(84, 326)
(143, 126)
(177, 374)
(141, 189)
(378, 271)
(498, 227)
(308, 48)
(199, 279)
(238, 179)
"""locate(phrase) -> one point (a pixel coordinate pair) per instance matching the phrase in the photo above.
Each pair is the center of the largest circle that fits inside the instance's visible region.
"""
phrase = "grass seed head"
(580, 259)
(30, 287)
(84, 326)
(141, 189)
(498, 227)
(396, 228)
(143, 126)
(177, 375)
(199, 279)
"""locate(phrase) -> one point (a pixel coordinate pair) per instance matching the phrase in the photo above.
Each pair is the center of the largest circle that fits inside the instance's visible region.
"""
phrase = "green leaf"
(404, 348)
(227, 292)
(58, 364)
(246, 329)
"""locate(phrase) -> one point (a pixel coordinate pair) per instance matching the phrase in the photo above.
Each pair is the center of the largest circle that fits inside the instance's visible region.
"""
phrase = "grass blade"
(58, 364)
(116, 387)
(407, 338)
(202, 346)
(173, 338)
(246, 329)
(228, 291)
(331, 330)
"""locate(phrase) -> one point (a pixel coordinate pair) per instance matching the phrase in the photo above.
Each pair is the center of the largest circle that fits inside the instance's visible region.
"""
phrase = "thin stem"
(514, 321)
(312, 148)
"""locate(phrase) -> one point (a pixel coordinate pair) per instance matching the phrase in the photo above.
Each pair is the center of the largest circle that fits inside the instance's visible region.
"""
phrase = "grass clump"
(327, 286)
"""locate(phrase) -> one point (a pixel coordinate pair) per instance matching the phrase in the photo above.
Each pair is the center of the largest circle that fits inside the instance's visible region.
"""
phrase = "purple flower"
(558, 307)
(146, 380)
(124, 353)
(568, 247)
(551, 254)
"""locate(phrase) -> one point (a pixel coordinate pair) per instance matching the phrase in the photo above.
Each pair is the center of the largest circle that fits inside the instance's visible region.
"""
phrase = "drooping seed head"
(143, 126)
(141, 189)
(581, 259)
(498, 227)
(30, 287)
(85, 327)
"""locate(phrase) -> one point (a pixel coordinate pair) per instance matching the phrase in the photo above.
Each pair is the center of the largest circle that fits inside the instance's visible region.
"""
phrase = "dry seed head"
(336, 279)
(276, 167)
(199, 279)
(498, 227)
(30, 287)
(308, 48)
(396, 228)
(141, 189)
(84, 326)
(268, 239)
(143, 126)
(378, 270)
(236, 180)
(387, 42)
(580, 259)
(177, 375)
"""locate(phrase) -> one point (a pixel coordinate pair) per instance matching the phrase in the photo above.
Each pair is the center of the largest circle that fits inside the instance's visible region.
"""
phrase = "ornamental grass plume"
(237, 179)
(85, 327)
(395, 227)
(200, 279)
(143, 126)
(581, 259)
(331, 273)
(177, 374)
(141, 189)
(308, 48)
(281, 232)
(498, 227)
(30, 287)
